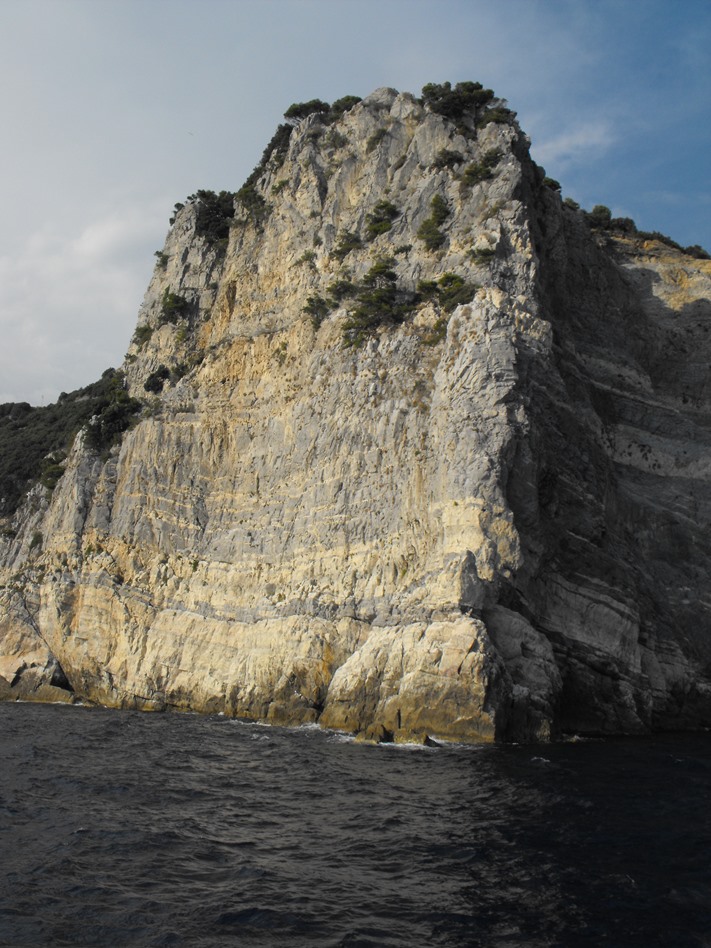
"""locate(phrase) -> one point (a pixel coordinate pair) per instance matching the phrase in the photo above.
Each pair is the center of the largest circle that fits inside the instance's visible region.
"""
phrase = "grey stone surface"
(489, 524)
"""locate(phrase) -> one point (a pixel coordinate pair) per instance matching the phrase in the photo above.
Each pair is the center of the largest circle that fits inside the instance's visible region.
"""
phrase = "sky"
(113, 110)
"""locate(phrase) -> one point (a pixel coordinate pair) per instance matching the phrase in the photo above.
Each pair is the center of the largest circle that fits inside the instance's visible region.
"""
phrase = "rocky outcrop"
(396, 483)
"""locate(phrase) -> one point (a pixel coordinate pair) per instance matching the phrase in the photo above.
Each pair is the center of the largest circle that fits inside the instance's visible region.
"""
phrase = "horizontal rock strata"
(475, 519)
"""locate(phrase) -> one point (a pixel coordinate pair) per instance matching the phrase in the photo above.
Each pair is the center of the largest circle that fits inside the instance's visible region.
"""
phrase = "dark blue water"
(124, 829)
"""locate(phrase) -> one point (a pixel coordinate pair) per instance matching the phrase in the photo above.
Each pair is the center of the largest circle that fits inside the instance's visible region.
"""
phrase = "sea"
(122, 828)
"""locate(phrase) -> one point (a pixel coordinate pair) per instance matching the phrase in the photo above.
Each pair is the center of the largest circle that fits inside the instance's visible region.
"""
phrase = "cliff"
(419, 453)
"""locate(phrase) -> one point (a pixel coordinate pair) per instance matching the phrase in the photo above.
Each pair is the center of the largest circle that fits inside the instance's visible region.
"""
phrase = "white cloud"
(68, 303)
(580, 143)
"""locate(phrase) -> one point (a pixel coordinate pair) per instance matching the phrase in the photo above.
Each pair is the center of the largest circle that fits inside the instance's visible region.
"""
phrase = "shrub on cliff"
(214, 214)
(329, 113)
(317, 308)
(446, 158)
(696, 250)
(380, 219)
(344, 104)
(300, 110)
(52, 469)
(155, 381)
(347, 241)
(429, 231)
(454, 290)
(253, 202)
(273, 155)
(481, 170)
(448, 292)
(173, 307)
(375, 139)
(115, 416)
(600, 216)
(499, 115)
(465, 97)
(339, 290)
(141, 335)
(378, 300)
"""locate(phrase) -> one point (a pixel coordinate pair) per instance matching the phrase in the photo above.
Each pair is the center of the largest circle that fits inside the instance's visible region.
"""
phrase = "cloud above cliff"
(576, 144)
(63, 301)
(115, 110)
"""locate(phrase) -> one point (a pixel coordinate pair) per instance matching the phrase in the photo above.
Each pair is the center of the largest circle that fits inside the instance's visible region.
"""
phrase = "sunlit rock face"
(373, 496)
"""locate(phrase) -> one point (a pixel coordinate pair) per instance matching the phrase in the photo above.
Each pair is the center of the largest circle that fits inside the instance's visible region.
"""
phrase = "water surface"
(129, 829)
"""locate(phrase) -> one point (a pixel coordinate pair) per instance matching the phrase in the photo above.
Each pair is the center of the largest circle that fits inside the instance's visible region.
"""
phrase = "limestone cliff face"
(477, 521)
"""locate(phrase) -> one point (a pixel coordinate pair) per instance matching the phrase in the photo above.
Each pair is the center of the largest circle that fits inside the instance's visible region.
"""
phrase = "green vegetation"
(161, 259)
(437, 333)
(481, 170)
(34, 441)
(300, 110)
(274, 154)
(308, 257)
(329, 113)
(317, 308)
(276, 149)
(465, 97)
(173, 307)
(346, 242)
(155, 381)
(453, 291)
(214, 214)
(344, 104)
(141, 335)
(600, 218)
(380, 219)
(375, 139)
(52, 469)
(253, 203)
(499, 115)
(429, 231)
(431, 234)
(339, 290)
(466, 100)
(447, 159)
(440, 209)
(115, 416)
(448, 292)
(182, 368)
(482, 254)
(335, 139)
(696, 250)
(216, 211)
(178, 207)
(378, 301)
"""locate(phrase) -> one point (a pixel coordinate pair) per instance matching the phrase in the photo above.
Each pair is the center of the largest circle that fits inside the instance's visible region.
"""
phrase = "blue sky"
(113, 110)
